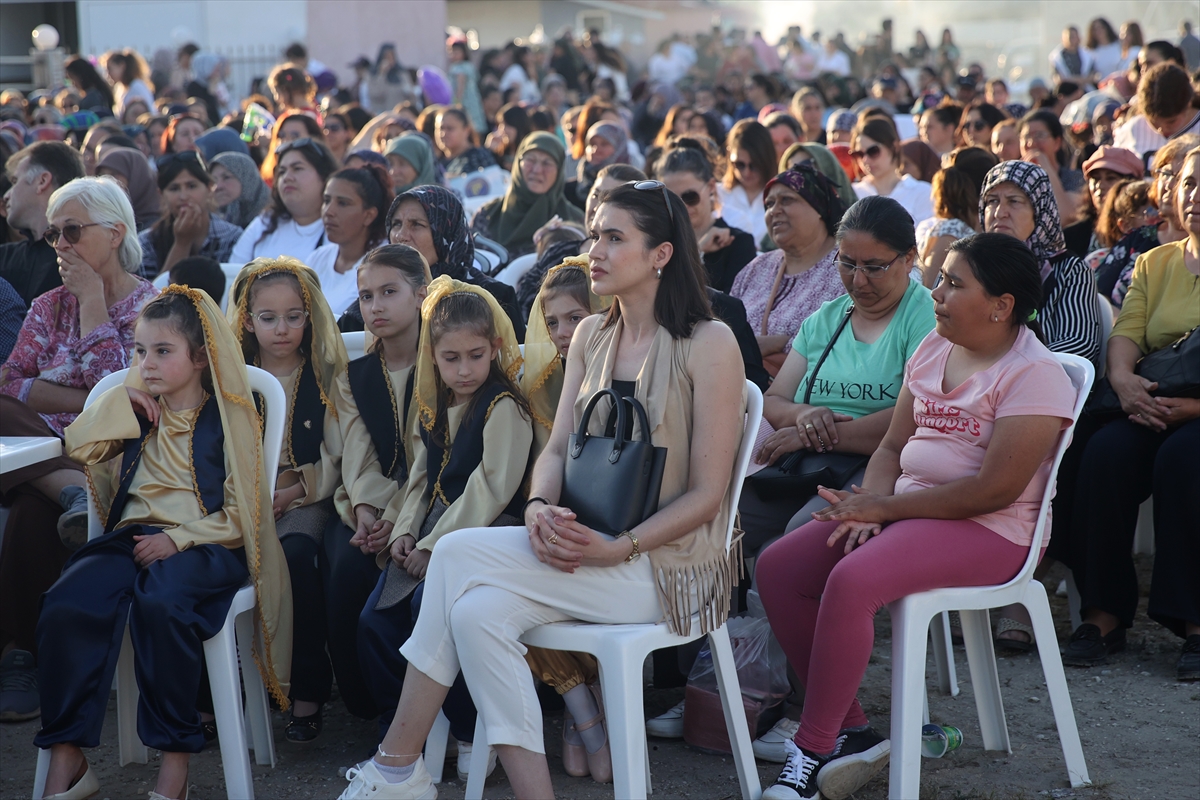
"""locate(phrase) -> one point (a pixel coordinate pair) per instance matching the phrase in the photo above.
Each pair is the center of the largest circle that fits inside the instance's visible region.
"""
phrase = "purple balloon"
(435, 85)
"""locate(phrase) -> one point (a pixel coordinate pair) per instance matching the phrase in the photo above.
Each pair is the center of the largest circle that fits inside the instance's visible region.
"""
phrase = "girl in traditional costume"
(174, 460)
(470, 455)
(566, 299)
(284, 325)
(373, 396)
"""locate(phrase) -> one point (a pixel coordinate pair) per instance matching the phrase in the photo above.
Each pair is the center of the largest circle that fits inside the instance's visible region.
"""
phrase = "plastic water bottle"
(937, 740)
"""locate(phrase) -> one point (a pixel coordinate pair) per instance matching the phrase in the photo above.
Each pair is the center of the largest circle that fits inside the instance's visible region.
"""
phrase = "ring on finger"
(553, 538)
(809, 426)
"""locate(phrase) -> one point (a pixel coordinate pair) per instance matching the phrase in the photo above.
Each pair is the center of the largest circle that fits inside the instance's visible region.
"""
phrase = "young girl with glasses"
(285, 327)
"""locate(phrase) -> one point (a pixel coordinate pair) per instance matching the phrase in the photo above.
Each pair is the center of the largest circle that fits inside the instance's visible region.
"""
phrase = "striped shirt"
(1070, 317)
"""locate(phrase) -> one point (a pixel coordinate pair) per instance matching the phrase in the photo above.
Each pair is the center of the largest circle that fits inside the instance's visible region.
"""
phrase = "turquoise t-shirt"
(857, 378)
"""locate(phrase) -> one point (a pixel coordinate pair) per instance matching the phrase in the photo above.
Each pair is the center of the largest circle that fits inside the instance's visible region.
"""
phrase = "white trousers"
(485, 588)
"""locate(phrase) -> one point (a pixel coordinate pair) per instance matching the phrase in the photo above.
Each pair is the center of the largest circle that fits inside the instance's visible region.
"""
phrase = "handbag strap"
(825, 352)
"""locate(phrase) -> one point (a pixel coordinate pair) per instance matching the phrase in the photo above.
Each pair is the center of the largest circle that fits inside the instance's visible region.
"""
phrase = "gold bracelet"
(636, 554)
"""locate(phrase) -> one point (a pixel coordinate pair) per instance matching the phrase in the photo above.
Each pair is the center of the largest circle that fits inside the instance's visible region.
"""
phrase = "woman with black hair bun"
(354, 209)
(687, 169)
(189, 225)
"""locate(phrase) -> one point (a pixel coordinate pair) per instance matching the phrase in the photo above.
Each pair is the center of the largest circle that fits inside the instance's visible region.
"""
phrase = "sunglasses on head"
(871, 152)
(653, 186)
(71, 233)
(294, 144)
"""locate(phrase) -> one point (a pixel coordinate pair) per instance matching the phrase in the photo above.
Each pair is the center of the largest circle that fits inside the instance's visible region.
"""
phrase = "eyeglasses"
(1166, 174)
(871, 152)
(531, 163)
(690, 198)
(293, 319)
(70, 232)
(167, 159)
(294, 144)
(977, 125)
(653, 186)
(743, 166)
(869, 271)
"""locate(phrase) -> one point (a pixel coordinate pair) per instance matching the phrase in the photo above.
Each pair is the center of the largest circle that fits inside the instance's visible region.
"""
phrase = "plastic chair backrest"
(162, 281)
(355, 342)
(754, 408)
(261, 382)
(1081, 372)
(1106, 326)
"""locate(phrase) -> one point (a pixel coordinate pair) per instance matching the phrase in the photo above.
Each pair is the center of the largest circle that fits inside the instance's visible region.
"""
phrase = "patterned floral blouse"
(50, 347)
(798, 295)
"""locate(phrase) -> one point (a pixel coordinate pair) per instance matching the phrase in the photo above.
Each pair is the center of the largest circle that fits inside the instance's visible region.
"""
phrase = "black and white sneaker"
(856, 758)
(798, 781)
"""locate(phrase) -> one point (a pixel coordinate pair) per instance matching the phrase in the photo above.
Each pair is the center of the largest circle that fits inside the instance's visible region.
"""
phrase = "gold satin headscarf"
(328, 354)
(542, 380)
(253, 490)
(426, 380)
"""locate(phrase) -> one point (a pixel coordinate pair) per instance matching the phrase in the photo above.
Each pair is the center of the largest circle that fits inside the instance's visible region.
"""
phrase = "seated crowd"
(899, 299)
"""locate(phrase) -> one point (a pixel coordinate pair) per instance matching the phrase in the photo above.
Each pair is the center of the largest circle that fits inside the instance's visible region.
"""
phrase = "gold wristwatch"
(636, 554)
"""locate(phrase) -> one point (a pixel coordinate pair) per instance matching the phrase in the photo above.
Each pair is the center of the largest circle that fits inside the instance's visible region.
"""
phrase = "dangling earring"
(658, 274)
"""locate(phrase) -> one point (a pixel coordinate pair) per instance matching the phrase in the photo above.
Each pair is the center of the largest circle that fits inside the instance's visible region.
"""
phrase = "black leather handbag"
(797, 475)
(612, 482)
(1175, 368)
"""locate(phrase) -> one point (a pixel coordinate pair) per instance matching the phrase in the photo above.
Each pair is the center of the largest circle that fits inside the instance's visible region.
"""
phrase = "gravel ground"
(1140, 731)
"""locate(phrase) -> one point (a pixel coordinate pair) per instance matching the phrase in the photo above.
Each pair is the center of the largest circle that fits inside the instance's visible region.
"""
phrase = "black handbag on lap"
(1175, 368)
(797, 475)
(612, 483)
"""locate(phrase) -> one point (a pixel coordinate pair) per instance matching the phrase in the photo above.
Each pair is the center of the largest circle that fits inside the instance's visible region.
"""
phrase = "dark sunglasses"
(294, 144)
(743, 166)
(71, 233)
(653, 186)
(690, 198)
(978, 125)
(186, 156)
(334, 128)
(871, 152)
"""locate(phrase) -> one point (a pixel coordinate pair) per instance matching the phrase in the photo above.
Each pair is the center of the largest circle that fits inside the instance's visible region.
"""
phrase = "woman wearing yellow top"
(1149, 453)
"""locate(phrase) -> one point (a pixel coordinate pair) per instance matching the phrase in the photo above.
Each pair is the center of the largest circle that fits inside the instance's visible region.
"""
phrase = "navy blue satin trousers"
(380, 636)
(172, 606)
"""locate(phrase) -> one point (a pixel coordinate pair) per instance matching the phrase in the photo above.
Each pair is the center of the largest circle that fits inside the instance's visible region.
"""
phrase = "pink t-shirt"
(954, 428)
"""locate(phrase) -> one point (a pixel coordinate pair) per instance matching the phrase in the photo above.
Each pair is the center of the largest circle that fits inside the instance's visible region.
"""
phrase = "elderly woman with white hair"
(72, 337)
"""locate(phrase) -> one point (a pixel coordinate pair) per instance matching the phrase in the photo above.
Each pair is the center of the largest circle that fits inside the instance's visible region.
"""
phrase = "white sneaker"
(668, 725)
(368, 783)
(769, 746)
(464, 761)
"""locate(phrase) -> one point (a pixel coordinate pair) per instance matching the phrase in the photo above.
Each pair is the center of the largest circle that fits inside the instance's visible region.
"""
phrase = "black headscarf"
(448, 224)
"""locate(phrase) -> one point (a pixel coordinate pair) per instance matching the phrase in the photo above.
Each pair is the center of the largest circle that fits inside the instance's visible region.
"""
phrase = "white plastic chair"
(910, 618)
(1106, 325)
(621, 651)
(221, 653)
(512, 273)
(355, 342)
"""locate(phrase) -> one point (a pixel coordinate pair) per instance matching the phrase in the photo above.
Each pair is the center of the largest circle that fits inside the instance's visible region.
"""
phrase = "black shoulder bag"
(612, 483)
(797, 475)
(1175, 368)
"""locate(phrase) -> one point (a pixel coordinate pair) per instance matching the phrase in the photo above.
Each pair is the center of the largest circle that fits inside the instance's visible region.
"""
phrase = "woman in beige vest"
(486, 586)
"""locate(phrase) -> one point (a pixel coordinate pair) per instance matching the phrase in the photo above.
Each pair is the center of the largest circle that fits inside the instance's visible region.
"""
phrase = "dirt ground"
(1140, 731)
